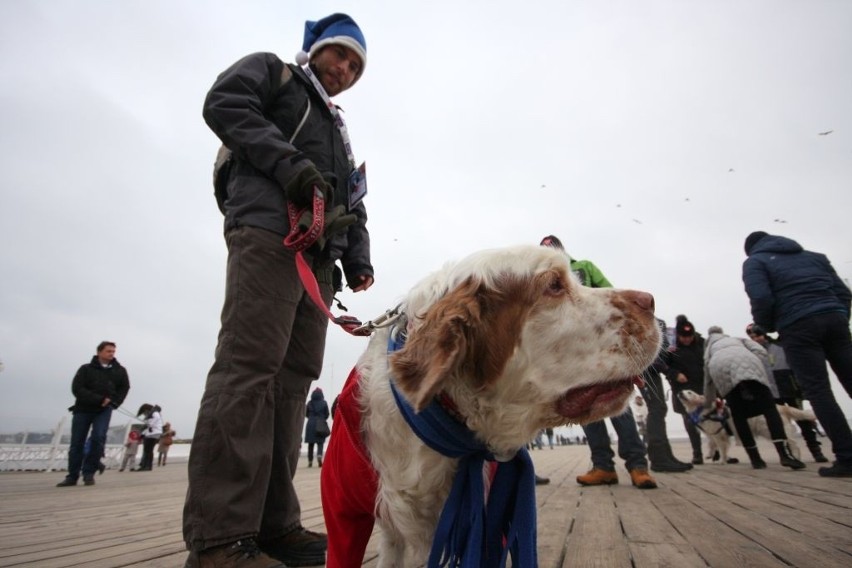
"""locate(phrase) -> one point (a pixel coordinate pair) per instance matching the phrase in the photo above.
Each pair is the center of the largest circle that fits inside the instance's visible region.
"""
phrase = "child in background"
(133, 439)
(166, 441)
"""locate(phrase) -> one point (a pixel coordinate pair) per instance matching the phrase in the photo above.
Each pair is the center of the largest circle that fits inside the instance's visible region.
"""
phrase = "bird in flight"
(826, 133)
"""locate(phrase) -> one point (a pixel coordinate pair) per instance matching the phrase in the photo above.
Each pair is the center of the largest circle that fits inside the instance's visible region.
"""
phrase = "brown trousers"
(247, 438)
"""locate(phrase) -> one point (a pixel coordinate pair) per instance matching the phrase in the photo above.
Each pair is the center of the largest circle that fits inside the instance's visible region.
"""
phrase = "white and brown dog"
(718, 438)
(506, 342)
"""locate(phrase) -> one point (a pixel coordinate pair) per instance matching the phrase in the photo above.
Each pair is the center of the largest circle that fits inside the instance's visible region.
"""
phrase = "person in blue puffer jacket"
(798, 293)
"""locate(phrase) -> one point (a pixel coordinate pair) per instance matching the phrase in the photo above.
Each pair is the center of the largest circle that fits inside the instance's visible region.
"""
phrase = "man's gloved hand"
(336, 220)
(300, 189)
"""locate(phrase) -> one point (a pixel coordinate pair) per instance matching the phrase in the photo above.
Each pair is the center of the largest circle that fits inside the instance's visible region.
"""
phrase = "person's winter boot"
(672, 458)
(816, 452)
(756, 461)
(597, 476)
(697, 458)
(310, 463)
(319, 461)
(787, 458)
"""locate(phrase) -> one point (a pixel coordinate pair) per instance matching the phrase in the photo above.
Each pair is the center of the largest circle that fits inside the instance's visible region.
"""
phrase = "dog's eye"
(556, 286)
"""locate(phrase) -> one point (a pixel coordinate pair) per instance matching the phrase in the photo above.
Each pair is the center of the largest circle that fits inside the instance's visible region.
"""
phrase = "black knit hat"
(552, 241)
(684, 327)
(753, 239)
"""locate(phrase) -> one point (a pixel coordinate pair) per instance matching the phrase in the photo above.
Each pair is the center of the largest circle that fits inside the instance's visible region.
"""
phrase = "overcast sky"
(651, 137)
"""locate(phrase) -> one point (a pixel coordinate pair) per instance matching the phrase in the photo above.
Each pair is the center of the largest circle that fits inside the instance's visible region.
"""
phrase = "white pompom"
(302, 58)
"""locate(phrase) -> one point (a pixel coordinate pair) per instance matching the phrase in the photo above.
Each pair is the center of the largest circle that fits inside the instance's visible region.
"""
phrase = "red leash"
(298, 241)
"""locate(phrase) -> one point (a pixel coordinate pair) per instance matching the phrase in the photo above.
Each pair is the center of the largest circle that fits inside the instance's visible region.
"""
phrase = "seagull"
(637, 221)
(826, 133)
(618, 205)
(730, 170)
(686, 199)
(779, 221)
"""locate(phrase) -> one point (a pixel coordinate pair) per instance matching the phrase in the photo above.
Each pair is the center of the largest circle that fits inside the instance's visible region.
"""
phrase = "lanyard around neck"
(335, 113)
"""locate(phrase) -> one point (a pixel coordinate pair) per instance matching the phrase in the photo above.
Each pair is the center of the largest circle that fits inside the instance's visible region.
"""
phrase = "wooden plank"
(715, 516)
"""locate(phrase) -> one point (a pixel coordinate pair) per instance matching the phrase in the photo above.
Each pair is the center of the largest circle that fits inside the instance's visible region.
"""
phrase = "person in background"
(686, 372)
(131, 446)
(640, 415)
(98, 387)
(738, 370)
(787, 387)
(797, 293)
(166, 440)
(630, 446)
(656, 438)
(151, 435)
(316, 413)
(285, 146)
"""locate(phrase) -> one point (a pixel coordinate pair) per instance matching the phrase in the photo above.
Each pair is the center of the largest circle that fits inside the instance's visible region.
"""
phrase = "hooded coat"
(316, 410)
(728, 361)
(786, 283)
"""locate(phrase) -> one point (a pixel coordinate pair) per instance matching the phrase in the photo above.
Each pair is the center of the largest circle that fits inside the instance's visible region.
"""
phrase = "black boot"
(667, 450)
(787, 458)
(756, 461)
(816, 452)
(659, 454)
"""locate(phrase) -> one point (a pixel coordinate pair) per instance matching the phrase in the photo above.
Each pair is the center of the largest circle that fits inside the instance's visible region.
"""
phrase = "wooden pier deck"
(716, 515)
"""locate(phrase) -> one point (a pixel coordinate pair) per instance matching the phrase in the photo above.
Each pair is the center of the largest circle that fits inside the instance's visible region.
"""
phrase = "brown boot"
(241, 554)
(597, 476)
(299, 547)
(642, 479)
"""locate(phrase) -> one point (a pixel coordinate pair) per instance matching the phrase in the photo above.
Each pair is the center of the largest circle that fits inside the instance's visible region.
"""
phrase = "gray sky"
(651, 137)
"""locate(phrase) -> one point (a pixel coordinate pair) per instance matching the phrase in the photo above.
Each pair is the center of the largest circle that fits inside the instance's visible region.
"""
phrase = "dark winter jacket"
(689, 360)
(317, 409)
(93, 383)
(786, 283)
(276, 124)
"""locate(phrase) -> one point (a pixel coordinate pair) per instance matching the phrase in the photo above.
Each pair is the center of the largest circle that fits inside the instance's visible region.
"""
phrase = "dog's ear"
(452, 339)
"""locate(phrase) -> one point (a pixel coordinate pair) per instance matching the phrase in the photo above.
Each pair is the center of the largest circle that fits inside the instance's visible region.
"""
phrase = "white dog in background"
(511, 343)
(718, 436)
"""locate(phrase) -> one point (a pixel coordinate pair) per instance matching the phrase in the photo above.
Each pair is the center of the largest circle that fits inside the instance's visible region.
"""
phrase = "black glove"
(336, 220)
(300, 189)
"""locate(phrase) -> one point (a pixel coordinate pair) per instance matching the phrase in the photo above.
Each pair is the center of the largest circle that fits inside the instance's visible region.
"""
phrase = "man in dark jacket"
(797, 293)
(98, 387)
(288, 147)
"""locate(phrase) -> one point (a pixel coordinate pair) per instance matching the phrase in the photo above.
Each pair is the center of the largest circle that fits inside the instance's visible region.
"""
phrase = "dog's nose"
(642, 299)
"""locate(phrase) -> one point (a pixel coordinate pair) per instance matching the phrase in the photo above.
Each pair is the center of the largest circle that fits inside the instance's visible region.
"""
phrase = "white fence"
(48, 451)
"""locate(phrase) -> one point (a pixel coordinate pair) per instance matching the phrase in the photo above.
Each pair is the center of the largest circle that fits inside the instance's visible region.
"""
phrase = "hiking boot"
(597, 476)
(836, 470)
(88, 481)
(299, 547)
(670, 466)
(69, 482)
(541, 480)
(642, 479)
(241, 554)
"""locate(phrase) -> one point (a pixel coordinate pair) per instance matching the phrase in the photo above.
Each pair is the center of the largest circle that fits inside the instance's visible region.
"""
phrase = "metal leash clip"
(386, 319)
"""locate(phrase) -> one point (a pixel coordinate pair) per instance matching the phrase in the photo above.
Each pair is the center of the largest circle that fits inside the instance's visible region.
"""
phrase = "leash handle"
(297, 240)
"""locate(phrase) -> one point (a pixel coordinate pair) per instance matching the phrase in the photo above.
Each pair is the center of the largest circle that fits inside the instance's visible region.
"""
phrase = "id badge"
(357, 185)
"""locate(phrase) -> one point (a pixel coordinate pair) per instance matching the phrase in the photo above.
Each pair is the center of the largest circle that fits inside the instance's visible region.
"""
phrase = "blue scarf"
(469, 534)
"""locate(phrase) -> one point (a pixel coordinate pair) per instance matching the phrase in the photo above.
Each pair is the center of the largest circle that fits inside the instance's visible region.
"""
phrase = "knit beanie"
(337, 29)
(753, 239)
(684, 327)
